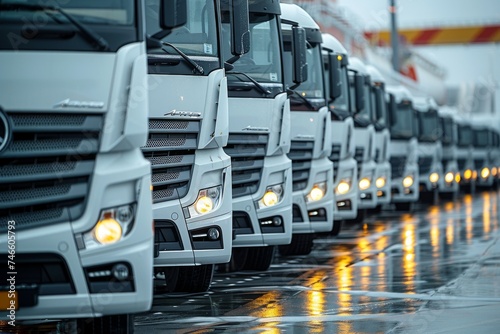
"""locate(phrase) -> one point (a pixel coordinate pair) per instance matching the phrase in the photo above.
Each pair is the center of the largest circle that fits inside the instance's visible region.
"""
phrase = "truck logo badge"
(5, 131)
(182, 113)
(79, 104)
(255, 128)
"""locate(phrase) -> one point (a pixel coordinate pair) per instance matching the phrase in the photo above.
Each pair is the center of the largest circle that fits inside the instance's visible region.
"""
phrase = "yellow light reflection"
(450, 231)
(409, 261)
(468, 217)
(345, 282)
(486, 213)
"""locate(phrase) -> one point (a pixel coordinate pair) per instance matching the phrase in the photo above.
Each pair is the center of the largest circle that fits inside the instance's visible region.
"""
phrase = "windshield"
(263, 62)
(404, 126)
(428, 126)
(480, 138)
(464, 135)
(448, 135)
(198, 37)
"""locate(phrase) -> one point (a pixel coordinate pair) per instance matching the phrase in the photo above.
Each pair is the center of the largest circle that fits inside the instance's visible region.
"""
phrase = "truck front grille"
(424, 165)
(359, 157)
(247, 152)
(171, 148)
(45, 171)
(461, 163)
(478, 164)
(335, 158)
(301, 154)
(398, 166)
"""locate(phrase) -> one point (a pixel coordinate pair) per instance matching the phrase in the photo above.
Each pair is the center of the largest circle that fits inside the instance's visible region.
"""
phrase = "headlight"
(408, 181)
(317, 192)
(494, 171)
(449, 177)
(458, 178)
(380, 183)
(272, 196)
(207, 201)
(112, 225)
(434, 177)
(467, 174)
(343, 187)
(364, 183)
(474, 174)
(485, 172)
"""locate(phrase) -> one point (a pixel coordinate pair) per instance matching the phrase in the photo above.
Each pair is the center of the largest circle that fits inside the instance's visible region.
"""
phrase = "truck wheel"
(337, 226)
(111, 324)
(195, 278)
(237, 263)
(301, 245)
(259, 258)
(166, 279)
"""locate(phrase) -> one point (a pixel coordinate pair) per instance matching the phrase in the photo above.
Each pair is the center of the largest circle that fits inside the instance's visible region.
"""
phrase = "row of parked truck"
(224, 130)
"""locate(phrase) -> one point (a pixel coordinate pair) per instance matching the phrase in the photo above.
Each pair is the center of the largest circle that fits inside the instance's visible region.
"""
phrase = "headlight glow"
(408, 181)
(272, 196)
(458, 178)
(494, 171)
(204, 205)
(107, 231)
(434, 177)
(206, 202)
(474, 174)
(364, 183)
(343, 187)
(380, 183)
(317, 192)
(485, 172)
(467, 174)
(449, 177)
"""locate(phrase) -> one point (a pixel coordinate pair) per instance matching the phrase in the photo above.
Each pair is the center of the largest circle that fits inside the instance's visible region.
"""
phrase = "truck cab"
(345, 172)
(403, 148)
(259, 141)
(313, 196)
(430, 153)
(482, 142)
(363, 103)
(188, 128)
(382, 137)
(449, 183)
(465, 161)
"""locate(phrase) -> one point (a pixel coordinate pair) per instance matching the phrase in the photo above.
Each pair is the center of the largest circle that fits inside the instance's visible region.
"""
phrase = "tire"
(406, 206)
(237, 262)
(259, 258)
(111, 324)
(166, 279)
(337, 227)
(195, 278)
(301, 245)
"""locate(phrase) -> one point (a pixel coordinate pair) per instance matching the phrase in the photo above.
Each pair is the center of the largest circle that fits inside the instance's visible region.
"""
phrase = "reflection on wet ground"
(378, 276)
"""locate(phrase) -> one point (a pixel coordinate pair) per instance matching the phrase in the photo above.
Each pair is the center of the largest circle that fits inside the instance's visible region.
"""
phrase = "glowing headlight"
(449, 177)
(408, 181)
(364, 183)
(474, 174)
(206, 202)
(317, 192)
(494, 171)
(107, 231)
(434, 177)
(380, 183)
(343, 187)
(467, 174)
(485, 172)
(272, 196)
(458, 178)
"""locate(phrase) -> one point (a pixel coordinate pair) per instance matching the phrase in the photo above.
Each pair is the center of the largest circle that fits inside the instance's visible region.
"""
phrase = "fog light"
(364, 183)
(408, 181)
(107, 231)
(343, 187)
(317, 192)
(120, 271)
(485, 172)
(467, 174)
(277, 221)
(380, 183)
(449, 177)
(213, 233)
(434, 177)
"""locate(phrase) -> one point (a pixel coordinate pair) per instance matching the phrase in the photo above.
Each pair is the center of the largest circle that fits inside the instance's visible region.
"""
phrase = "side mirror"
(359, 83)
(173, 13)
(240, 33)
(393, 113)
(299, 54)
(334, 83)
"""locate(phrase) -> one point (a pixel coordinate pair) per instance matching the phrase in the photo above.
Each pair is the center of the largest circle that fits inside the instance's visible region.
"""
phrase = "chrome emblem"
(5, 131)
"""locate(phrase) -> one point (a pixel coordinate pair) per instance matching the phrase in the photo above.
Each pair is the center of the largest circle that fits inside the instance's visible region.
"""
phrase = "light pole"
(394, 36)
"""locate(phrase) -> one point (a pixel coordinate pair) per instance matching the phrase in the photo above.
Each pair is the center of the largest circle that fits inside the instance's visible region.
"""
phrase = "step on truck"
(313, 196)
(449, 183)
(188, 128)
(345, 167)
(75, 201)
(259, 141)
(364, 134)
(403, 148)
(430, 151)
(382, 137)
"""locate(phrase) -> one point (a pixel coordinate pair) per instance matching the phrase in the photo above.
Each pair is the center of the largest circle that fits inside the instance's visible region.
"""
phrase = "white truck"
(259, 141)
(364, 134)
(75, 199)
(465, 162)
(345, 172)
(430, 152)
(482, 143)
(449, 183)
(188, 128)
(382, 138)
(313, 196)
(403, 148)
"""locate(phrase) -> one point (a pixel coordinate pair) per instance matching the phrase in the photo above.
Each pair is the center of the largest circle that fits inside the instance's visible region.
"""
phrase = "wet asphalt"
(434, 270)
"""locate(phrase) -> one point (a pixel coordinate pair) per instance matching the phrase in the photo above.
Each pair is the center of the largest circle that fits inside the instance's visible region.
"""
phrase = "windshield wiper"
(306, 101)
(255, 82)
(95, 39)
(154, 42)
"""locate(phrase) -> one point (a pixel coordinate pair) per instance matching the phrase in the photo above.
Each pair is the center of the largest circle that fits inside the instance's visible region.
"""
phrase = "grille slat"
(461, 163)
(424, 165)
(478, 163)
(397, 166)
(45, 171)
(359, 157)
(301, 154)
